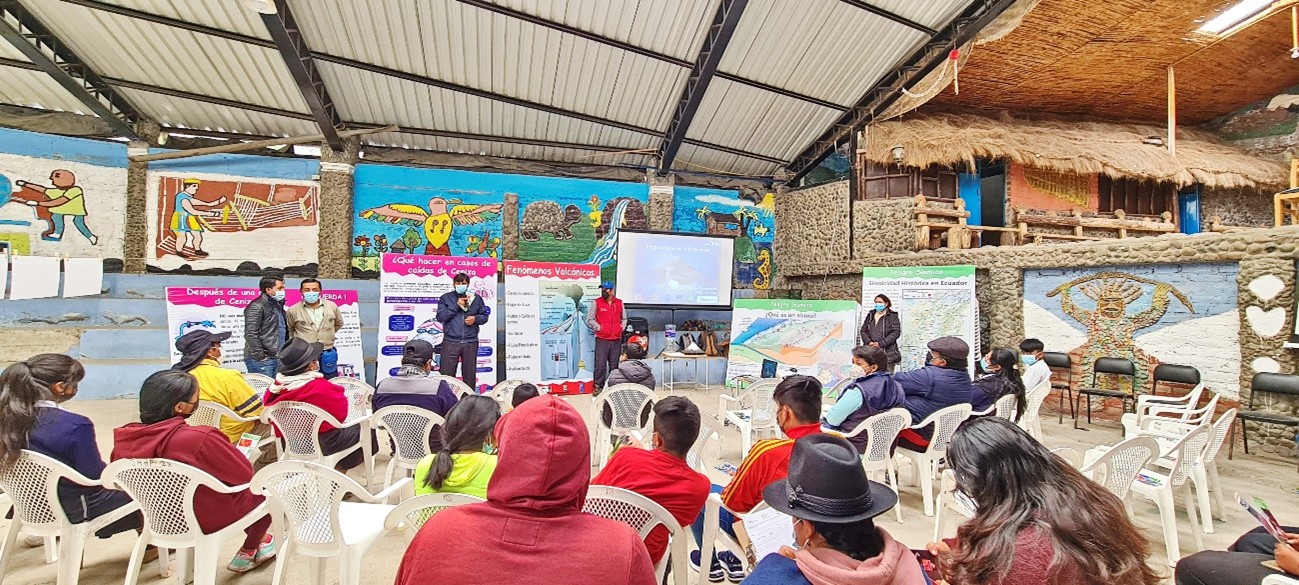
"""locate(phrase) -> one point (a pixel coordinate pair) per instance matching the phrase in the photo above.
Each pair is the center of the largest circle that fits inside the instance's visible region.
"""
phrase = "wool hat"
(297, 355)
(827, 483)
(194, 345)
(951, 347)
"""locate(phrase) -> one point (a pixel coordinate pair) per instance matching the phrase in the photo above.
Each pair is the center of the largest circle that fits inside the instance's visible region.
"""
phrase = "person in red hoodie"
(299, 380)
(167, 398)
(531, 529)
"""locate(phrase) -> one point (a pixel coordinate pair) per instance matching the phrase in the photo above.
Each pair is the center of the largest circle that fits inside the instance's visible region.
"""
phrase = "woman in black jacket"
(882, 328)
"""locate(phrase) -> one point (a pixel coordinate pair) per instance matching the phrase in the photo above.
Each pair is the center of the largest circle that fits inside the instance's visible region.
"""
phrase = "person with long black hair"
(1000, 378)
(468, 456)
(31, 418)
(1037, 519)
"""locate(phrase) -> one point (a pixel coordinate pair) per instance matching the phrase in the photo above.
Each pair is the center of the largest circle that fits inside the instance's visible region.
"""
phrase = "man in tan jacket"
(316, 320)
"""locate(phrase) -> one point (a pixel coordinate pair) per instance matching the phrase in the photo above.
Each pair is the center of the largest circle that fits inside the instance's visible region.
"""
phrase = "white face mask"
(857, 371)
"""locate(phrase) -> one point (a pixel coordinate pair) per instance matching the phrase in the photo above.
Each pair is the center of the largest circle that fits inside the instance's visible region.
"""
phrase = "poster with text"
(931, 301)
(802, 337)
(547, 340)
(218, 308)
(409, 288)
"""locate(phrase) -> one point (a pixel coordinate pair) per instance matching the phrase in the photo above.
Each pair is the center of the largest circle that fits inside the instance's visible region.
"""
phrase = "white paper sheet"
(34, 277)
(4, 271)
(82, 277)
(768, 530)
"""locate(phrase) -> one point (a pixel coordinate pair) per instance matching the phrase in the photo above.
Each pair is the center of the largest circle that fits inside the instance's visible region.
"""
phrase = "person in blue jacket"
(873, 392)
(944, 381)
(461, 313)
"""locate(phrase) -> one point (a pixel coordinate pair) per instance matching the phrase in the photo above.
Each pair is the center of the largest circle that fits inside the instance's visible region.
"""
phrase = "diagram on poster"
(547, 338)
(222, 309)
(931, 301)
(804, 337)
(409, 287)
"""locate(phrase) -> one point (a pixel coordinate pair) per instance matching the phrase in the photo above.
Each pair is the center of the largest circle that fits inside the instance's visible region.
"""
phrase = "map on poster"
(803, 337)
(932, 302)
(547, 339)
(409, 288)
(218, 308)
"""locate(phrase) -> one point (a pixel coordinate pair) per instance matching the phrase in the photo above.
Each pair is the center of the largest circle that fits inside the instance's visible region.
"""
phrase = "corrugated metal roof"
(707, 160)
(177, 112)
(35, 89)
(492, 148)
(230, 15)
(934, 14)
(7, 51)
(120, 46)
(670, 27)
(757, 121)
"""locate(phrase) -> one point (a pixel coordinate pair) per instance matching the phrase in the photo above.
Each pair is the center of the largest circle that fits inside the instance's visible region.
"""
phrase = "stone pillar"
(335, 234)
(1005, 307)
(510, 227)
(661, 201)
(135, 244)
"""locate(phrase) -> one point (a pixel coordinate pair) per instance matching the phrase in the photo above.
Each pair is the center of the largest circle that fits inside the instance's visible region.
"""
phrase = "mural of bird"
(438, 221)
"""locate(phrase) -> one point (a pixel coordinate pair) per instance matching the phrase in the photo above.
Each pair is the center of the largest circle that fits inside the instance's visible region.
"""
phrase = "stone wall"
(1242, 206)
(812, 225)
(882, 225)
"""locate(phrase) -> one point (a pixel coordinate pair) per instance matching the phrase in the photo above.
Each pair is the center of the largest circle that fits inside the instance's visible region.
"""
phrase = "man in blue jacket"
(944, 381)
(461, 312)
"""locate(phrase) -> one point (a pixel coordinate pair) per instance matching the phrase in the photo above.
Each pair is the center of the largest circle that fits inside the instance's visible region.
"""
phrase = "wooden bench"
(934, 221)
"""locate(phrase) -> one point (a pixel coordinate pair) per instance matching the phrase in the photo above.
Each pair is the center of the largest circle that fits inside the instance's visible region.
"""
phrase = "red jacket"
(609, 315)
(319, 392)
(661, 477)
(767, 461)
(531, 529)
(206, 448)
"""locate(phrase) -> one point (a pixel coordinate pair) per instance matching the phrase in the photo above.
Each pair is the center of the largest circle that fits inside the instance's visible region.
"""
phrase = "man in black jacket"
(461, 313)
(264, 327)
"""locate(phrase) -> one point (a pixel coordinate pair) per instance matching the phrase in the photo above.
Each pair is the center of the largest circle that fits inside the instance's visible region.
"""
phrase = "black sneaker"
(734, 568)
(715, 574)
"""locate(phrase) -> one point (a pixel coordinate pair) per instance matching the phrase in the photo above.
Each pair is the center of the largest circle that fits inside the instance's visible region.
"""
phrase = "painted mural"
(234, 213)
(436, 212)
(576, 220)
(62, 196)
(1178, 314)
(723, 212)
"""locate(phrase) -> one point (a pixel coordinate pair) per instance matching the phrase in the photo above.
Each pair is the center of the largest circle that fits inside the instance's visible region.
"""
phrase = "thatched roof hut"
(1080, 147)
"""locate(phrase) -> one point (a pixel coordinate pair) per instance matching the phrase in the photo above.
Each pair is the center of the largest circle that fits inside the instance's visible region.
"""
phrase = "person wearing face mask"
(608, 321)
(942, 382)
(300, 380)
(882, 328)
(200, 355)
(833, 506)
(1000, 377)
(265, 327)
(873, 392)
(318, 320)
(461, 313)
(1036, 370)
(167, 398)
(465, 461)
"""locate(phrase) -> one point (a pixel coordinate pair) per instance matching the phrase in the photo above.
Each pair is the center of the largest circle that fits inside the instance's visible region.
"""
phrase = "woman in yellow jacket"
(467, 459)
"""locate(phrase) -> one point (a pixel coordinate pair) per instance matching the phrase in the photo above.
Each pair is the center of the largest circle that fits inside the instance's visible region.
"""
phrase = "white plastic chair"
(1184, 402)
(627, 401)
(642, 515)
(881, 434)
(951, 500)
(1161, 489)
(165, 491)
(32, 485)
(924, 464)
(1193, 416)
(503, 392)
(696, 457)
(832, 394)
(1279, 580)
(409, 428)
(299, 425)
(1116, 467)
(410, 515)
(1004, 407)
(1203, 469)
(457, 386)
(713, 533)
(261, 383)
(1031, 422)
(753, 412)
(210, 414)
(360, 396)
(308, 497)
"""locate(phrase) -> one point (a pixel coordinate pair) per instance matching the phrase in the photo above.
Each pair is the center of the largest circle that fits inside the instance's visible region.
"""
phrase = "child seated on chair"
(467, 459)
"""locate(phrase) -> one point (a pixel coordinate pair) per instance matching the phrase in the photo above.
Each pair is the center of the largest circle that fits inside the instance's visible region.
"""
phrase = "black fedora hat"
(297, 354)
(827, 483)
(194, 345)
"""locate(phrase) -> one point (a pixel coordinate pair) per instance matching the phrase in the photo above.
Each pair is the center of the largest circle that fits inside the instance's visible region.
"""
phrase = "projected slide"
(674, 269)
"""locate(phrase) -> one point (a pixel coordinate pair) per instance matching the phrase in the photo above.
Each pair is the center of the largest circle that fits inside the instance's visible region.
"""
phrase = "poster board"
(217, 308)
(409, 287)
(932, 302)
(804, 337)
(547, 340)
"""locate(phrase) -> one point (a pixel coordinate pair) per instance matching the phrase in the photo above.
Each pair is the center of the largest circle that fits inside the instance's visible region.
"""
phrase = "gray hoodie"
(631, 372)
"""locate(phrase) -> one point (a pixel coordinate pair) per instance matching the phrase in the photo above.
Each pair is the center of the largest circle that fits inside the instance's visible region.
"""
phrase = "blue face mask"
(983, 363)
(311, 297)
(462, 289)
(879, 307)
(279, 296)
(1028, 359)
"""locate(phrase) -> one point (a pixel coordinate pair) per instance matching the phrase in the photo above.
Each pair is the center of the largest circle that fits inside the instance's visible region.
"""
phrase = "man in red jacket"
(662, 474)
(608, 322)
(531, 529)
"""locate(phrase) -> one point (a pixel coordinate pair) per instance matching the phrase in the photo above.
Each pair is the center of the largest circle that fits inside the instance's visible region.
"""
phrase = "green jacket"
(470, 473)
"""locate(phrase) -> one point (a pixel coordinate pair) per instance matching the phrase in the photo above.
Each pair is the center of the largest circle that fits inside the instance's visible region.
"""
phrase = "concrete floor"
(1273, 480)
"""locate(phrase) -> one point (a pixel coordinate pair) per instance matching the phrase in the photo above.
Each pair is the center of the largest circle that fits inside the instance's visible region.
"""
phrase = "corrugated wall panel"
(34, 89)
(176, 112)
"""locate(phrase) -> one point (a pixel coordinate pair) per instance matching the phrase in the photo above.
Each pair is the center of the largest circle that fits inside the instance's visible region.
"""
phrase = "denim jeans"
(79, 221)
(265, 367)
(726, 520)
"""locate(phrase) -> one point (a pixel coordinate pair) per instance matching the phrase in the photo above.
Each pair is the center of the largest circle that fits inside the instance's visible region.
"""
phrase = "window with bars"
(1135, 197)
(892, 181)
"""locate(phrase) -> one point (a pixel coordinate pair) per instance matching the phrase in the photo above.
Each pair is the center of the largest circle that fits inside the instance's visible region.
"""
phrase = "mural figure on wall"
(554, 231)
(721, 212)
(55, 204)
(187, 223)
(438, 221)
(192, 212)
(1179, 314)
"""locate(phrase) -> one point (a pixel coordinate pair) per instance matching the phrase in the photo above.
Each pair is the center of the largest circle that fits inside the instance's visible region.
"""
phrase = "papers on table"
(34, 278)
(82, 277)
(767, 531)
